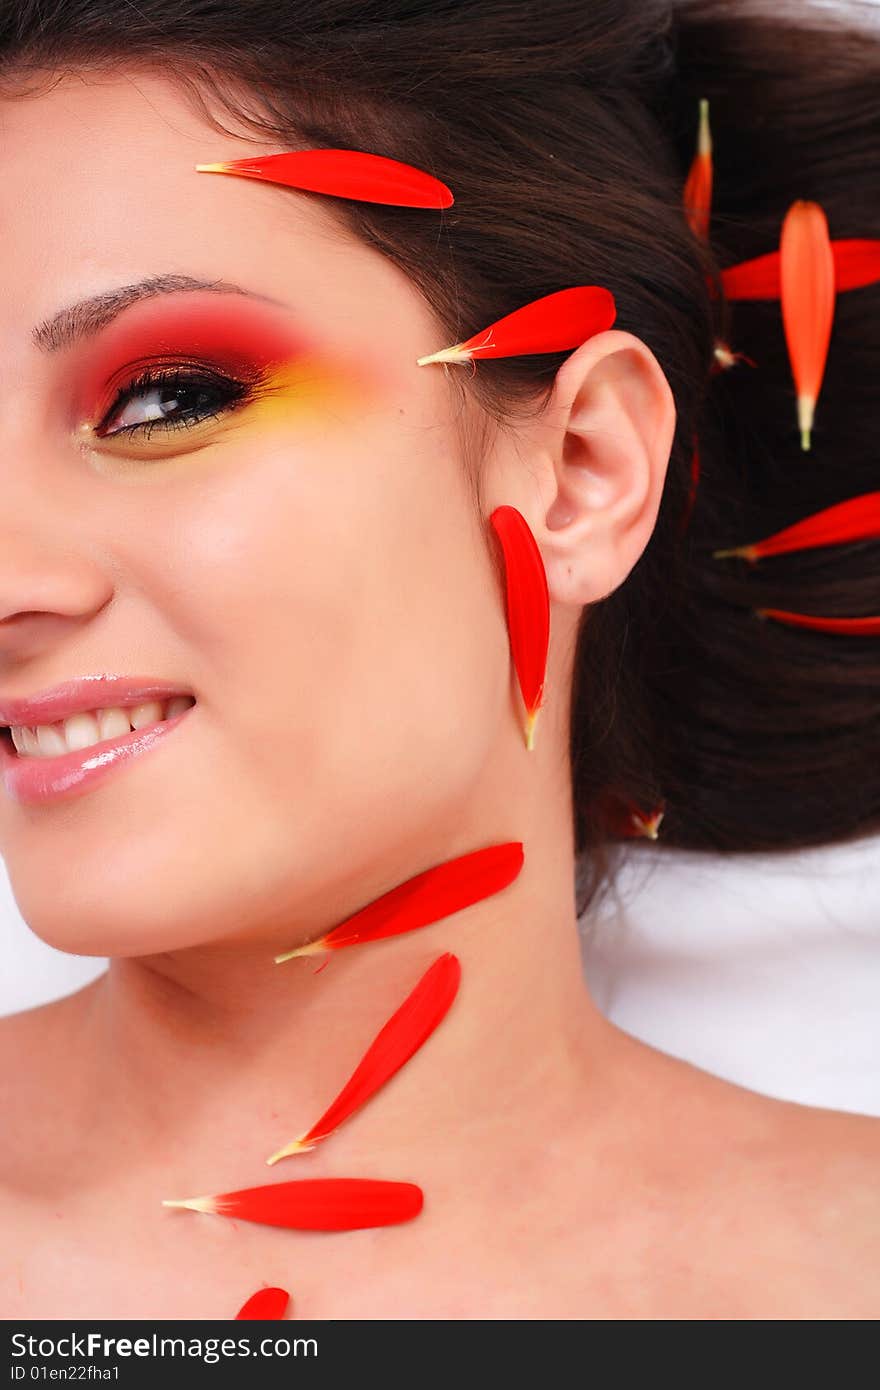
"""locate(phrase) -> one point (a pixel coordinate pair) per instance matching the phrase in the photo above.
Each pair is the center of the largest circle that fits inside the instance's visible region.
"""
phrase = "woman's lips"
(34, 780)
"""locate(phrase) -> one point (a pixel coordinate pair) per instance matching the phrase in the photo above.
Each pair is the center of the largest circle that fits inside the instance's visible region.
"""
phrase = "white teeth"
(50, 741)
(80, 730)
(178, 705)
(96, 726)
(112, 723)
(147, 713)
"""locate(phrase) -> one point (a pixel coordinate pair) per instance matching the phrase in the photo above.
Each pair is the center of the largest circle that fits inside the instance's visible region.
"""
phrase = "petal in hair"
(855, 519)
(724, 358)
(427, 897)
(368, 178)
(698, 185)
(854, 627)
(315, 1204)
(625, 821)
(856, 263)
(404, 1033)
(528, 609)
(555, 323)
(806, 274)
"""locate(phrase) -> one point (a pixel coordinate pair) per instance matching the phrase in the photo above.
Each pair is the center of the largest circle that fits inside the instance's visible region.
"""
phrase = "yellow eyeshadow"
(304, 390)
(300, 388)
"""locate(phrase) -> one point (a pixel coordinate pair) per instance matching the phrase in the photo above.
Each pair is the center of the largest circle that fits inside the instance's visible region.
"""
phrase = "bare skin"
(673, 1195)
(318, 578)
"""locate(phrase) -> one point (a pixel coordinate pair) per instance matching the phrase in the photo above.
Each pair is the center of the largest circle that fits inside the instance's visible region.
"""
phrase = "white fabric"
(762, 969)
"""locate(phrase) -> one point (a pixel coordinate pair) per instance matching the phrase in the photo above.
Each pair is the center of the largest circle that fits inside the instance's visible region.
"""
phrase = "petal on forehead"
(369, 178)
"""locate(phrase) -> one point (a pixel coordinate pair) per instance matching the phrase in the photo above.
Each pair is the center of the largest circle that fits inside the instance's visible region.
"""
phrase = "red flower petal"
(553, 323)
(428, 897)
(404, 1033)
(698, 185)
(806, 274)
(528, 608)
(265, 1303)
(856, 263)
(316, 1204)
(855, 519)
(856, 627)
(754, 279)
(369, 178)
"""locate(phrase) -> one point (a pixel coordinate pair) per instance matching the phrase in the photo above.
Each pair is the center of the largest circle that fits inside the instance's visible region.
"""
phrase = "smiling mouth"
(90, 729)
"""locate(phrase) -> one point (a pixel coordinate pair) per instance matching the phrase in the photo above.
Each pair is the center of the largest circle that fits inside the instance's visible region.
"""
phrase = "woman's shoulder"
(821, 1202)
(809, 1177)
(762, 1207)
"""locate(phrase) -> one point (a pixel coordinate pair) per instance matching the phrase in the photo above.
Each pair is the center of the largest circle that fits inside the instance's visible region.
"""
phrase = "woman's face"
(307, 562)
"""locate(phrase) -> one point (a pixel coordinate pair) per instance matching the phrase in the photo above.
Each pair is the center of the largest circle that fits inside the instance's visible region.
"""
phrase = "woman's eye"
(169, 400)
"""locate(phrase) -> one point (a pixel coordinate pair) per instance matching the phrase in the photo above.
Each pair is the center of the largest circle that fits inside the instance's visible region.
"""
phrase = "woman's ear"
(603, 449)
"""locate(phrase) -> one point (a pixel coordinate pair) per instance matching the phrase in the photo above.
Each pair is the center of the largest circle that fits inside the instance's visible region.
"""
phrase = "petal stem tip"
(320, 1204)
(311, 948)
(531, 721)
(649, 827)
(397, 1041)
(450, 354)
(745, 551)
(296, 1146)
(704, 134)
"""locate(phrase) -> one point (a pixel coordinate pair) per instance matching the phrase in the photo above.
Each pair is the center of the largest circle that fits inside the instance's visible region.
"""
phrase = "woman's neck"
(203, 1062)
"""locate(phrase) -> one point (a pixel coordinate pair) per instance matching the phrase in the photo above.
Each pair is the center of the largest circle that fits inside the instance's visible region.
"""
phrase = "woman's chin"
(111, 926)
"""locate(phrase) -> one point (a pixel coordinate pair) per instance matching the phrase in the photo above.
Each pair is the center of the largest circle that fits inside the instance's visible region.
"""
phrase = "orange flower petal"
(698, 185)
(806, 274)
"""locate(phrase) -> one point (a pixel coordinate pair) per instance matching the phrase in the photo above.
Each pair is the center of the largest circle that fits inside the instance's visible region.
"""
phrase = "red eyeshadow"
(230, 331)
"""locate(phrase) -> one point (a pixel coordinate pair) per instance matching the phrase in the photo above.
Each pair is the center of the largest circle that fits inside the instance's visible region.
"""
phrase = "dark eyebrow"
(89, 316)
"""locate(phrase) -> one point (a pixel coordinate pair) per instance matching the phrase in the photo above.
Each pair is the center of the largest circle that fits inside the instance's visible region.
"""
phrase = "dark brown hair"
(565, 130)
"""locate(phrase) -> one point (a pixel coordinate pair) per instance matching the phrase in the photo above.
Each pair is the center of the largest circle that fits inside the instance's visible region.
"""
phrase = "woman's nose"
(48, 591)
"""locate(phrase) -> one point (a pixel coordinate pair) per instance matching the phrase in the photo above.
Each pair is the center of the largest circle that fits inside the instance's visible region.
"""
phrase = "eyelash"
(236, 393)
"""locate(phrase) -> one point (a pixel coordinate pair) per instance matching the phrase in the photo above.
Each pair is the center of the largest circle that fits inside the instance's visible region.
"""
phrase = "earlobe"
(612, 420)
